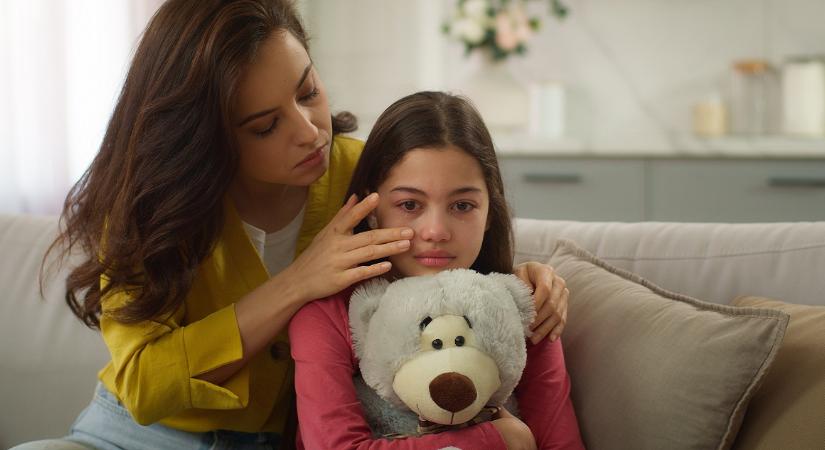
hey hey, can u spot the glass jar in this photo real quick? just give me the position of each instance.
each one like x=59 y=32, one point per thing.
x=754 y=88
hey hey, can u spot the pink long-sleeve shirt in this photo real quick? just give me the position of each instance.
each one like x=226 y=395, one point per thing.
x=330 y=415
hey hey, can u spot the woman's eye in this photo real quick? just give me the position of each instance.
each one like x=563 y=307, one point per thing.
x=464 y=206
x=268 y=131
x=311 y=95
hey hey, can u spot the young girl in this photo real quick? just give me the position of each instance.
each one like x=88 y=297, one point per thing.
x=431 y=160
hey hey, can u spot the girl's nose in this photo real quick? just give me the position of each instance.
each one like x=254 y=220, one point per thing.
x=434 y=228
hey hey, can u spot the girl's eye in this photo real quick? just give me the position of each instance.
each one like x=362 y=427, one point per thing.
x=312 y=94
x=464 y=206
x=409 y=205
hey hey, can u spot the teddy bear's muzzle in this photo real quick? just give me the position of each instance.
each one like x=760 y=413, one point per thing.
x=452 y=391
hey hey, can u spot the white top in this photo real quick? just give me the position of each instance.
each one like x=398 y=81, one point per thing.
x=277 y=250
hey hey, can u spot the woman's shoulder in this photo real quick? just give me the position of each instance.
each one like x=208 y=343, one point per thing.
x=347 y=150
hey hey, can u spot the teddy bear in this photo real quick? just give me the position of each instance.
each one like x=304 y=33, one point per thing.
x=438 y=351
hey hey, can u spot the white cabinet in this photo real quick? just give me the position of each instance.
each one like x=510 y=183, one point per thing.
x=665 y=189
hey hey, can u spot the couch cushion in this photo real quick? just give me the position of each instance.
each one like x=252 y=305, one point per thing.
x=788 y=411
x=652 y=369
x=729 y=259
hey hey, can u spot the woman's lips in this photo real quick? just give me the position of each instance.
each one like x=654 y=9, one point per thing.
x=313 y=159
x=434 y=258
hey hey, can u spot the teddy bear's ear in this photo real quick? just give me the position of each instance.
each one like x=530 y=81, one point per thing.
x=522 y=296
x=362 y=305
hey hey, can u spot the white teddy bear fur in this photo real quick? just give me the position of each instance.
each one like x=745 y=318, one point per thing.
x=395 y=351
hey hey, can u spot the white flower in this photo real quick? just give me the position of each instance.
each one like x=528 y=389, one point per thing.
x=475 y=8
x=469 y=30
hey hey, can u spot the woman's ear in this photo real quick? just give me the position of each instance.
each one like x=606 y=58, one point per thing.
x=372 y=221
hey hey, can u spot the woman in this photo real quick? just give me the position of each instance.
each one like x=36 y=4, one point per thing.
x=221 y=162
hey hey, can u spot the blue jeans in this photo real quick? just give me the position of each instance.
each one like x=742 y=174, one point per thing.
x=106 y=425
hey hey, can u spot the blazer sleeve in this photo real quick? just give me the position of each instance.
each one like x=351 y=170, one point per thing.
x=329 y=413
x=154 y=363
x=543 y=396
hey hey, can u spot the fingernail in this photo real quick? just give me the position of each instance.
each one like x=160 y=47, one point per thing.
x=373 y=196
x=386 y=265
x=403 y=244
x=553 y=337
x=406 y=233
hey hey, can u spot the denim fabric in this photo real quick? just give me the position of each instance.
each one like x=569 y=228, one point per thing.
x=106 y=425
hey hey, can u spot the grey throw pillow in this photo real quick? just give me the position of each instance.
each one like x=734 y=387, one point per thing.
x=652 y=369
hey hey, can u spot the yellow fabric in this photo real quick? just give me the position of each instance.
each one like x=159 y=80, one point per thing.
x=154 y=363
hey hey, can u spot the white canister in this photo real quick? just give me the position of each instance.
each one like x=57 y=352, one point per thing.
x=803 y=97
x=547 y=110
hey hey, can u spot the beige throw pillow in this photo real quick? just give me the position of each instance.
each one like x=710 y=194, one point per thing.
x=652 y=369
x=788 y=411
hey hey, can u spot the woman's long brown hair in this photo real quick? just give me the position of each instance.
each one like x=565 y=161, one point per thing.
x=435 y=120
x=149 y=210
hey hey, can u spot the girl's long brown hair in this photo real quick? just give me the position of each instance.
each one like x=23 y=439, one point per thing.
x=434 y=120
x=148 y=210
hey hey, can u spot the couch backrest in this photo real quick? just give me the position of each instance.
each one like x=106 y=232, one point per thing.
x=48 y=359
x=712 y=262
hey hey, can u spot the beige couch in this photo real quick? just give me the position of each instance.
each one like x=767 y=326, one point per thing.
x=48 y=360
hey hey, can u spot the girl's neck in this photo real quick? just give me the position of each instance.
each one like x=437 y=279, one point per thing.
x=268 y=207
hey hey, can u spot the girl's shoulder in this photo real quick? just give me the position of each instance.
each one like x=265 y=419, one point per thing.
x=333 y=309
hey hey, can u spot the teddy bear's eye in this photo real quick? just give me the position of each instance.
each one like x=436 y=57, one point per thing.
x=425 y=322
x=468 y=321
x=459 y=341
x=437 y=344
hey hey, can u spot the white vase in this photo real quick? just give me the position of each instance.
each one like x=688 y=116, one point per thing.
x=500 y=98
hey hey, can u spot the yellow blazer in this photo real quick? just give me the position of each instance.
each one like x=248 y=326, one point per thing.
x=154 y=363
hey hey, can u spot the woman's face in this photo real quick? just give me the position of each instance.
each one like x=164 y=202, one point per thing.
x=281 y=118
x=442 y=195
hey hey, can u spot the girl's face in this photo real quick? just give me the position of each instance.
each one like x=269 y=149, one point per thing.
x=442 y=195
x=281 y=117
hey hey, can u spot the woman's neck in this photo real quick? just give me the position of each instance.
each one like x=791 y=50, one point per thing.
x=268 y=207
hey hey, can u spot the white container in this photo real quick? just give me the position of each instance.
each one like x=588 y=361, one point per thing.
x=547 y=111
x=803 y=97
x=499 y=97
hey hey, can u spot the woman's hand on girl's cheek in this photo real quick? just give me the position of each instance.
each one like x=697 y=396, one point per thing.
x=550 y=294
x=332 y=262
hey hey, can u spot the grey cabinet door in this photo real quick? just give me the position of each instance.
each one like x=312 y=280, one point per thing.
x=736 y=190
x=575 y=189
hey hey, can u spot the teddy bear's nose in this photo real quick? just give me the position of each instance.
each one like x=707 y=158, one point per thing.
x=452 y=391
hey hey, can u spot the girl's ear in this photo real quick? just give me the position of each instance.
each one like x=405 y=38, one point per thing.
x=372 y=221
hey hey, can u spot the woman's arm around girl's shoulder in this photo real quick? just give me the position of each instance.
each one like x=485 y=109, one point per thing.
x=329 y=412
x=544 y=397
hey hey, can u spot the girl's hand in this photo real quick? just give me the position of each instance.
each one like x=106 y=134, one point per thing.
x=550 y=294
x=331 y=262
x=516 y=434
